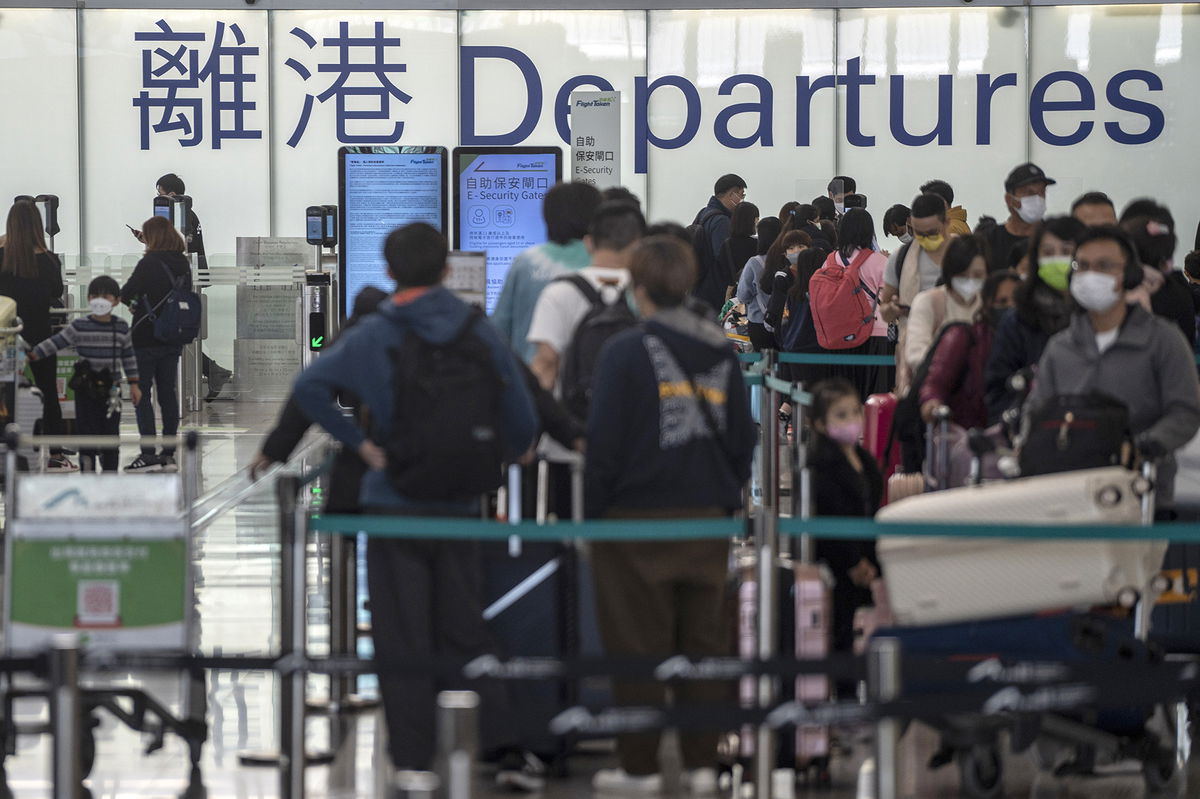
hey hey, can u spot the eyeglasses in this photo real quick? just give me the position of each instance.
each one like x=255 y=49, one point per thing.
x=1108 y=267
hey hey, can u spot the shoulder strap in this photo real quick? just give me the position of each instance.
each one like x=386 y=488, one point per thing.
x=586 y=288
x=710 y=420
x=175 y=281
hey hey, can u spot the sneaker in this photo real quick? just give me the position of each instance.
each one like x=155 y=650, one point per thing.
x=167 y=464
x=217 y=378
x=142 y=464
x=700 y=782
x=521 y=771
x=60 y=463
x=617 y=781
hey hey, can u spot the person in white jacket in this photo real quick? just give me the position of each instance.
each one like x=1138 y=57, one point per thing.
x=954 y=299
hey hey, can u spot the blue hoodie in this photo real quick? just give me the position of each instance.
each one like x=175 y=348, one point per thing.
x=361 y=363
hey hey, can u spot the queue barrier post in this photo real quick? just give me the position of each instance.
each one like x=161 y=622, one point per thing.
x=883 y=686
x=457 y=741
x=293 y=526
x=66 y=717
x=767 y=546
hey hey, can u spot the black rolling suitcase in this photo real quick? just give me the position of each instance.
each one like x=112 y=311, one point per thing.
x=538 y=603
x=1176 y=621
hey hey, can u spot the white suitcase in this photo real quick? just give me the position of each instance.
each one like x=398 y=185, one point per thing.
x=941 y=580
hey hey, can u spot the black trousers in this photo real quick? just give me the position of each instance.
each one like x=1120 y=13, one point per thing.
x=426 y=603
x=92 y=419
x=45 y=377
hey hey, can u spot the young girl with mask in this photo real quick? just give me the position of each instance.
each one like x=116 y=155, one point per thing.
x=846 y=481
x=1042 y=308
x=954 y=299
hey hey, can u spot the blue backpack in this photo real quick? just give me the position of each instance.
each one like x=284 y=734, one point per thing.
x=177 y=316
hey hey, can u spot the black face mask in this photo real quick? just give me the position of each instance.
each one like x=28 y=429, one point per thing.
x=996 y=314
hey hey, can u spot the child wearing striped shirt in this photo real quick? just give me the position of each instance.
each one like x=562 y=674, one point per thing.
x=104 y=342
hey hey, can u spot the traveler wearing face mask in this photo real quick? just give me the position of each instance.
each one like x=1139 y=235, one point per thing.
x=1118 y=348
x=1025 y=196
x=917 y=266
x=1043 y=307
x=956 y=372
x=779 y=269
x=1152 y=228
x=956 y=299
x=895 y=223
x=846 y=481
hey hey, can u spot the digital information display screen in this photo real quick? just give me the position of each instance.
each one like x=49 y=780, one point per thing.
x=379 y=190
x=498 y=194
x=315 y=229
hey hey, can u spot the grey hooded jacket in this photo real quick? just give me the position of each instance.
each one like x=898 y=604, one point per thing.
x=1149 y=367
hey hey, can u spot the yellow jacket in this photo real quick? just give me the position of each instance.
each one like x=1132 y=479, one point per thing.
x=958 y=221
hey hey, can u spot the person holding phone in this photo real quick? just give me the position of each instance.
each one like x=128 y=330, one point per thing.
x=171 y=185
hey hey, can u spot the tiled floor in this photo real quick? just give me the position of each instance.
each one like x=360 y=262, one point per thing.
x=237 y=582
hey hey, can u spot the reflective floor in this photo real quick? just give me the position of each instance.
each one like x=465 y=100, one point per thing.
x=237 y=584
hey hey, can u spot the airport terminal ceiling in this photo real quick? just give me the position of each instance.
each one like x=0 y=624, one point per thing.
x=249 y=102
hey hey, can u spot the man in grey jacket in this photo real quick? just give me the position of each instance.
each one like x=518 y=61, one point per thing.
x=1124 y=351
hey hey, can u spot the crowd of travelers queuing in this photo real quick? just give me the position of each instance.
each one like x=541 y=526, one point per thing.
x=609 y=337
x=615 y=339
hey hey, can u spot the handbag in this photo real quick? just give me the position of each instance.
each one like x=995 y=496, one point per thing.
x=1076 y=431
x=95 y=384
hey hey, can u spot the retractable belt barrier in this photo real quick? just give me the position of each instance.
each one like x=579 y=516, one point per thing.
x=684 y=529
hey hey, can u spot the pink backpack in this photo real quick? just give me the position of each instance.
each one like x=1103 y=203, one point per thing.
x=842 y=307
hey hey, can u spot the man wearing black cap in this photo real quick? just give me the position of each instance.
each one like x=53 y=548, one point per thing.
x=1025 y=196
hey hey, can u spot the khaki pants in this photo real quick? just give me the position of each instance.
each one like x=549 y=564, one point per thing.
x=663 y=598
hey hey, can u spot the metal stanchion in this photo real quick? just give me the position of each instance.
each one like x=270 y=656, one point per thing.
x=767 y=546
x=457 y=741
x=291 y=757
x=293 y=541
x=883 y=684
x=66 y=712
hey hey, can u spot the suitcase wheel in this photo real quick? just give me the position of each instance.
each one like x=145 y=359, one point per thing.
x=1158 y=771
x=981 y=772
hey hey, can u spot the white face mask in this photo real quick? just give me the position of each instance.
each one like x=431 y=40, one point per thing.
x=966 y=287
x=1032 y=209
x=905 y=238
x=1095 y=291
x=100 y=306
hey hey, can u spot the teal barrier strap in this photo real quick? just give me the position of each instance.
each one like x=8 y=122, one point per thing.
x=830 y=359
x=603 y=530
x=844 y=527
x=752 y=379
x=682 y=529
x=749 y=357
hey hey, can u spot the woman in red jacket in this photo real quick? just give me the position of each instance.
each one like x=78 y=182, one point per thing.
x=956 y=372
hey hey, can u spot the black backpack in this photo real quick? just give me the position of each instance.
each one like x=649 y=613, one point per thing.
x=445 y=442
x=908 y=428
x=601 y=323
x=710 y=284
x=176 y=319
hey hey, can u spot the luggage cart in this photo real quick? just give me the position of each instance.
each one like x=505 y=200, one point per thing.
x=20 y=403
x=940 y=620
x=106 y=557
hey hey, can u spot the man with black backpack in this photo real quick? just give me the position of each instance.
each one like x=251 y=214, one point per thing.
x=708 y=232
x=575 y=315
x=447 y=407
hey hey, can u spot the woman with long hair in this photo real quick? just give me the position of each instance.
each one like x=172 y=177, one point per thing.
x=32 y=276
x=163 y=265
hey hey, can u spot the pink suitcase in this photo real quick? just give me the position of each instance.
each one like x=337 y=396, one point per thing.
x=813 y=620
